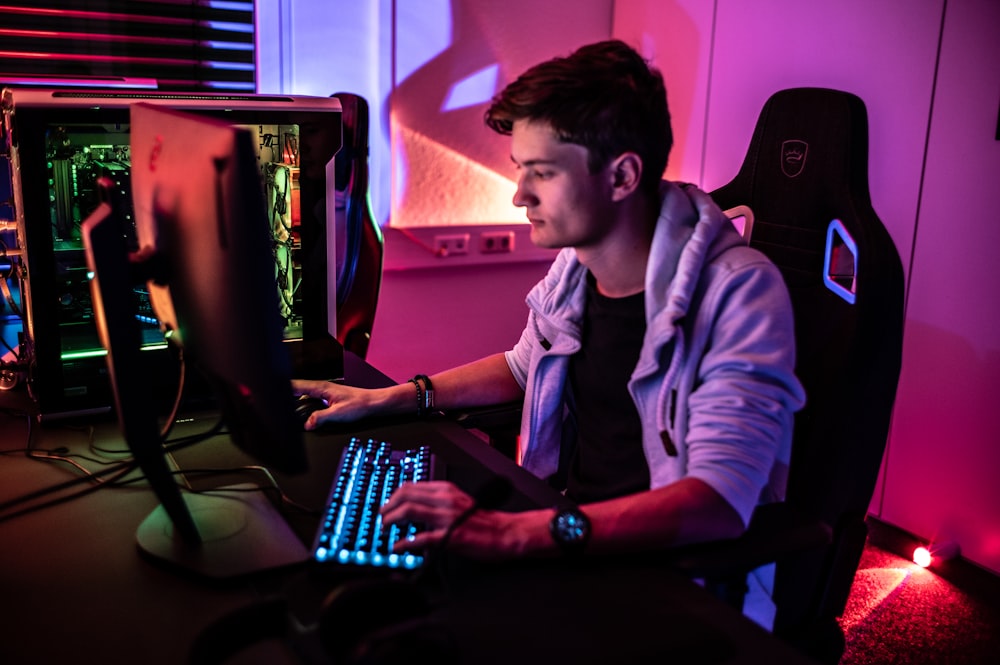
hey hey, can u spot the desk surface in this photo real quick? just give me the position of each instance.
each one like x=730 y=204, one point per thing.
x=73 y=587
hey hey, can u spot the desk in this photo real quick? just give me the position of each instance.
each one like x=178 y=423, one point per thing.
x=73 y=588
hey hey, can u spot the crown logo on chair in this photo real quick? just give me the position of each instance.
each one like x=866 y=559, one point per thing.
x=793 y=157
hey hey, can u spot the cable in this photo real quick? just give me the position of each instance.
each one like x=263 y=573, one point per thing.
x=52 y=456
x=125 y=466
x=488 y=497
x=5 y=288
x=121 y=470
x=117 y=469
x=271 y=486
x=168 y=425
x=409 y=235
x=63 y=451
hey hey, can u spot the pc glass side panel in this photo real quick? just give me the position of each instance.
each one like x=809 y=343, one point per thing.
x=61 y=146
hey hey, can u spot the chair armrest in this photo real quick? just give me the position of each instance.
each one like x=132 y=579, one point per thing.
x=501 y=423
x=776 y=530
x=486 y=417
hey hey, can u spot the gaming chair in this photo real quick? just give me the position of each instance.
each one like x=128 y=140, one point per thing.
x=359 y=270
x=805 y=183
x=803 y=193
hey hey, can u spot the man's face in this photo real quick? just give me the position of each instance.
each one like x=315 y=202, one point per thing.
x=566 y=204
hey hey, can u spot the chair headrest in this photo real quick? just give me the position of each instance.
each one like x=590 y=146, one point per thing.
x=809 y=151
x=353 y=155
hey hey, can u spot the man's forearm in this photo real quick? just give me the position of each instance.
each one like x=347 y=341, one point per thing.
x=689 y=511
x=479 y=383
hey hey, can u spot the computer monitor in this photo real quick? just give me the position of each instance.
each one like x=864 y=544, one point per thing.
x=204 y=248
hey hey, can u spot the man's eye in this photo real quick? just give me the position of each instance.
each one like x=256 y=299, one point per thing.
x=542 y=175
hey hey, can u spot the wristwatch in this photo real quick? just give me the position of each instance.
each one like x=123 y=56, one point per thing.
x=570 y=528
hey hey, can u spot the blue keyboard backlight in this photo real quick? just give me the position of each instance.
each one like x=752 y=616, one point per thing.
x=351 y=530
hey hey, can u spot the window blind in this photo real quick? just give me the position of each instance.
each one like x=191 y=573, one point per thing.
x=182 y=45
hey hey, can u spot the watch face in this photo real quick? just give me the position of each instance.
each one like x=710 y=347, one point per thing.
x=571 y=529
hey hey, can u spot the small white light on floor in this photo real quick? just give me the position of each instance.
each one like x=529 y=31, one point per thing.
x=922 y=557
x=925 y=556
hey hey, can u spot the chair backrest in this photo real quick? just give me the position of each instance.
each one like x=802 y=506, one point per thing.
x=805 y=178
x=359 y=237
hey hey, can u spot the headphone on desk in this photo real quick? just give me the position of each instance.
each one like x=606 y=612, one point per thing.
x=383 y=622
x=362 y=622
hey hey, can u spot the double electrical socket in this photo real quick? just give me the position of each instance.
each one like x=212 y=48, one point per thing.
x=451 y=244
x=496 y=242
x=490 y=242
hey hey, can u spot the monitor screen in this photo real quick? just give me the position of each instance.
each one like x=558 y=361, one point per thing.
x=200 y=240
x=63 y=141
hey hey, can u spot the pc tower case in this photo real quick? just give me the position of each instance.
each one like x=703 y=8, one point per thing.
x=59 y=142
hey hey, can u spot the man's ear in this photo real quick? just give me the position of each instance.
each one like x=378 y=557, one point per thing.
x=626 y=172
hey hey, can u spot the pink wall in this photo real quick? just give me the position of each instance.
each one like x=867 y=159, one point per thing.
x=447 y=168
x=677 y=38
x=941 y=469
x=431 y=319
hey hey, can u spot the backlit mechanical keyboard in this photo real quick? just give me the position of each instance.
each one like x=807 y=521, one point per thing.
x=351 y=530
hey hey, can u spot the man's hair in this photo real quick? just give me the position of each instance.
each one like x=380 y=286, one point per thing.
x=604 y=97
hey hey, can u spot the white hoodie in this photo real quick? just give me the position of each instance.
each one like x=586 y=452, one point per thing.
x=716 y=369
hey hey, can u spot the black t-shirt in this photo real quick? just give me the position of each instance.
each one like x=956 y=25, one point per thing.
x=608 y=460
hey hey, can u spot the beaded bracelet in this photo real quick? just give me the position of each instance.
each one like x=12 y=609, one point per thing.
x=420 y=397
x=425 y=394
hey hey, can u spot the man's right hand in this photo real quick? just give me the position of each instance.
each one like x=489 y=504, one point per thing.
x=344 y=403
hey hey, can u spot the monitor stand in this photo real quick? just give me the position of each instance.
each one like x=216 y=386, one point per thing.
x=241 y=533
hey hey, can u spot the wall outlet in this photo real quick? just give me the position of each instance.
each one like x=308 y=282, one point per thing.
x=451 y=244
x=496 y=242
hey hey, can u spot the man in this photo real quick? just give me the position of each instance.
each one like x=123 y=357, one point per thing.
x=656 y=366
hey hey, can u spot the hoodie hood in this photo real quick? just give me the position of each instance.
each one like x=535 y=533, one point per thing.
x=691 y=230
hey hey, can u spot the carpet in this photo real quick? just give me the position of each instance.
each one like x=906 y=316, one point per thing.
x=901 y=614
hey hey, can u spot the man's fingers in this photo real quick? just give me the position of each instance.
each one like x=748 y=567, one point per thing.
x=421 y=541
x=431 y=515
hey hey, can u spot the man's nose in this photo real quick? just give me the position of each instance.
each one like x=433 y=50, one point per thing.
x=523 y=196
